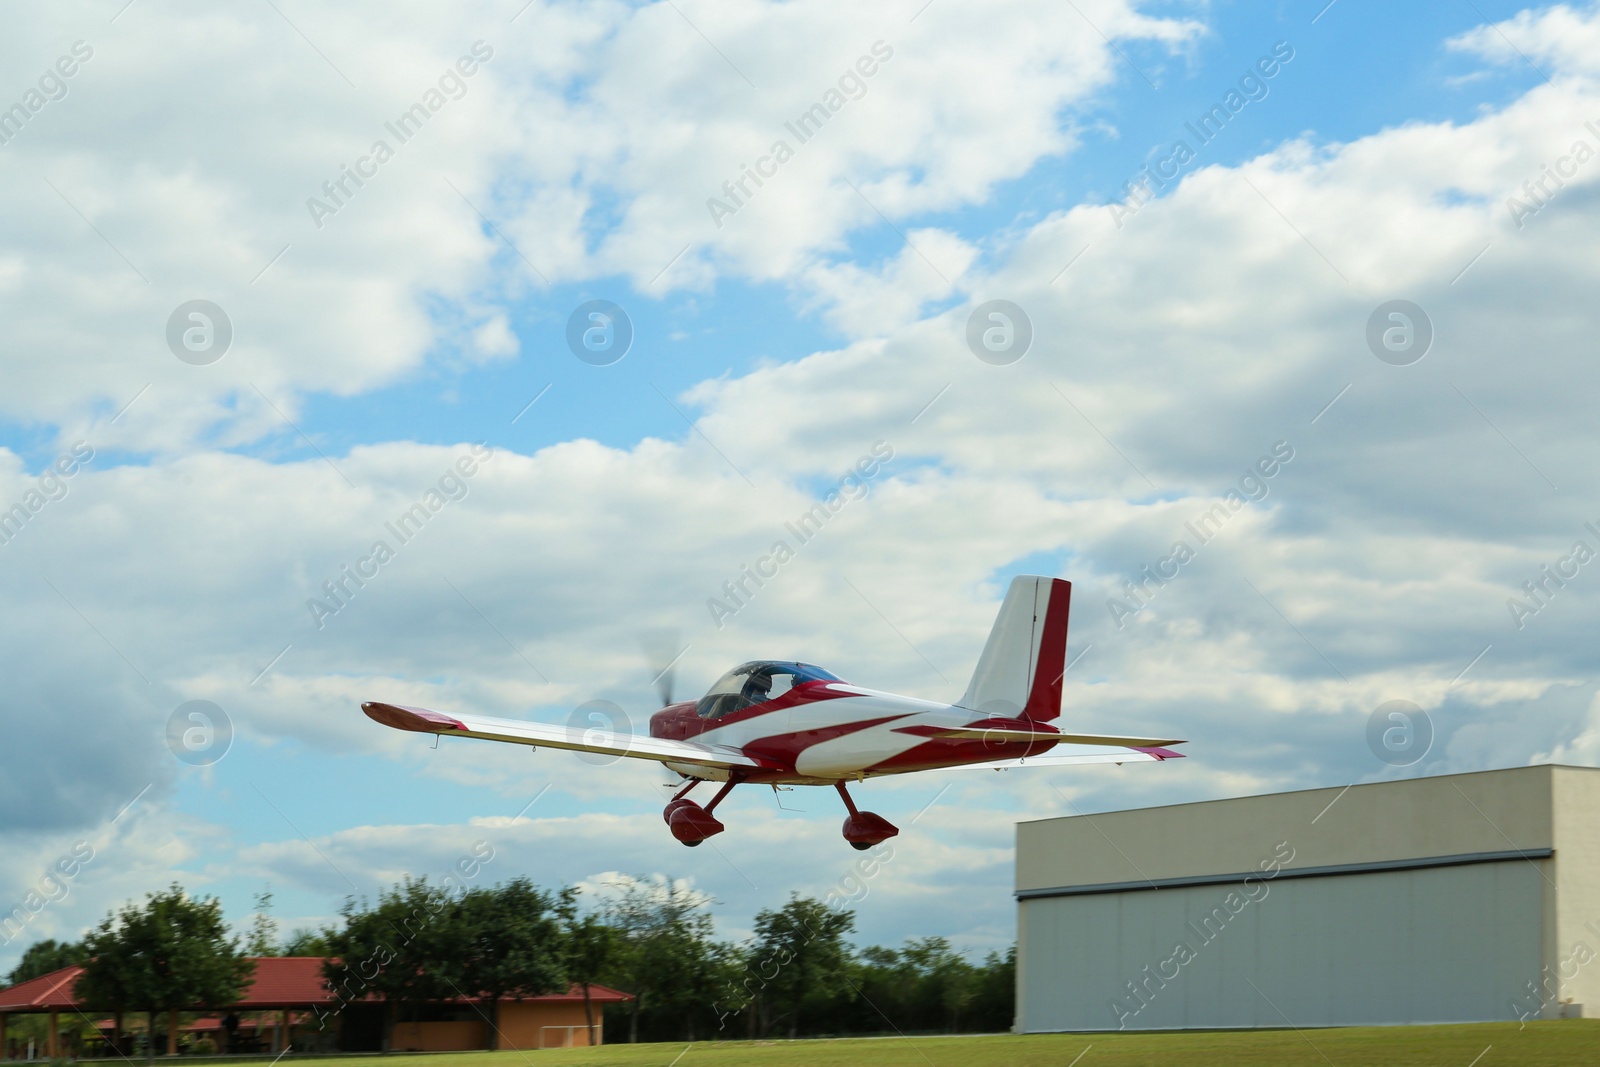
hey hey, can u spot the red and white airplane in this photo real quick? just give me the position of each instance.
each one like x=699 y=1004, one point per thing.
x=778 y=722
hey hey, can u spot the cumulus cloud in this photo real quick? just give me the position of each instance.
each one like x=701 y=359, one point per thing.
x=366 y=190
x=1562 y=36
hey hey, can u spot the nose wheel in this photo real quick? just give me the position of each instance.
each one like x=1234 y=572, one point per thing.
x=863 y=829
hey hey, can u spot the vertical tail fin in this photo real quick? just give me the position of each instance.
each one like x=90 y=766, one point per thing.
x=1020 y=670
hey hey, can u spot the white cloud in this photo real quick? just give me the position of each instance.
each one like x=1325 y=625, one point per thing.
x=1563 y=36
x=186 y=156
x=862 y=302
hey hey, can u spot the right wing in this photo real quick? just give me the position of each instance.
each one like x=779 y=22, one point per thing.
x=538 y=734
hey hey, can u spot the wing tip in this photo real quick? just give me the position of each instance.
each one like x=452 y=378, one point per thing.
x=417 y=720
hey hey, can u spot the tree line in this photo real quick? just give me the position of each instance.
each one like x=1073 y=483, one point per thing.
x=168 y=955
x=421 y=943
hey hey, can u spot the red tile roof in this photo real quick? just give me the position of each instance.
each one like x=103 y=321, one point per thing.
x=286 y=982
x=598 y=993
x=278 y=982
x=53 y=990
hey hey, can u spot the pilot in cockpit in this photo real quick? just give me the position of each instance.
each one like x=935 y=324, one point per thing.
x=756 y=689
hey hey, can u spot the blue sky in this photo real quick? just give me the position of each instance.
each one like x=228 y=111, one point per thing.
x=981 y=159
x=1358 y=69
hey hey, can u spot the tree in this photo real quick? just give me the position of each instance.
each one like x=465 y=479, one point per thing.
x=590 y=943
x=508 y=942
x=927 y=985
x=263 y=936
x=172 y=954
x=994 y=1007
x=939 y=981
x=800 y=952
x=395 y=949
x=421 y=944
x=665 y=955
x=882 y=993
x=305 y=942
x=43 y=957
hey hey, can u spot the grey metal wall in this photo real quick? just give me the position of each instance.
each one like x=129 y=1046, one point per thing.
x=1430 y=945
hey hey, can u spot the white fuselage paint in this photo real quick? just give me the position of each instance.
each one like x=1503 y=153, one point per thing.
x=850 y=755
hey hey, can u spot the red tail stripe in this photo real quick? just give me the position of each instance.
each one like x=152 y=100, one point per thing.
x=1044 y=700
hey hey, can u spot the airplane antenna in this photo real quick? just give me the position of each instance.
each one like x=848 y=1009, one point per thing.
x=777 y=794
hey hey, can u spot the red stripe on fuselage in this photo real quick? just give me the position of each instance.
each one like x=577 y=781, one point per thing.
x=952 y=753
x=787 y=747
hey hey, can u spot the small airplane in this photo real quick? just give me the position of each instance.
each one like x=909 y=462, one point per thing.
x=779 y=722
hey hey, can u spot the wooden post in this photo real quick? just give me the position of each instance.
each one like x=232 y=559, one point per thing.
x=172 y=1032
x=116 y=1031
x=288 y=1039
x=2 y=1035
x=53 y=1048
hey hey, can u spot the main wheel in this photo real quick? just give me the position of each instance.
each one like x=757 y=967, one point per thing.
x=863 y=829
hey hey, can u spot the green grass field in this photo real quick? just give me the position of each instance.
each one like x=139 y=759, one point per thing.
x=1539 y=1044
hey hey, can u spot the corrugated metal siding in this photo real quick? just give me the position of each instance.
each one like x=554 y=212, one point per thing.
x=1433 y=945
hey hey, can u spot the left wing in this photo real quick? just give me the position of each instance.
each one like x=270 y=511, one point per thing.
x=538 y=734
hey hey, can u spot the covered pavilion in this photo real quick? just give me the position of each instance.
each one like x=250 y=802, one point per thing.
x=293 y=990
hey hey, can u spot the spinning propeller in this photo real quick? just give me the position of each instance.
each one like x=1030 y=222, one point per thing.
x=662 y=652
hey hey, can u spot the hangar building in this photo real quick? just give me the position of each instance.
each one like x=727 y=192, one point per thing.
x=1465 y=897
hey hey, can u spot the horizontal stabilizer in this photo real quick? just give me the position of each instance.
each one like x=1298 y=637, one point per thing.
x=1000 y=734
x=1076 y=759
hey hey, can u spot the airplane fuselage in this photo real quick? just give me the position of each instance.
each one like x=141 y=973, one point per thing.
x=822 y=732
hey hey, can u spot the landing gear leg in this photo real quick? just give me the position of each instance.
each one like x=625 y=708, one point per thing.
x=863 y=829
x=727 y=787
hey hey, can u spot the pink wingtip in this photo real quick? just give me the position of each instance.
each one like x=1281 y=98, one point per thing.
x=418 y=720
x=1163 y=753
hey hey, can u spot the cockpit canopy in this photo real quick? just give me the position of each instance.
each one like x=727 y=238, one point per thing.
x=756 y=682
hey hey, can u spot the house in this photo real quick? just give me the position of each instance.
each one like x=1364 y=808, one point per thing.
x=293 y=1008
